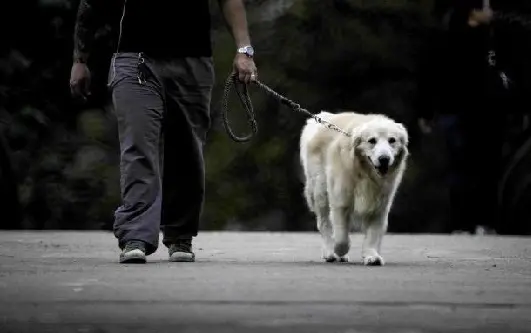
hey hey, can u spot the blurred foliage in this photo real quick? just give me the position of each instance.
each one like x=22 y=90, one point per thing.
x=334 y=54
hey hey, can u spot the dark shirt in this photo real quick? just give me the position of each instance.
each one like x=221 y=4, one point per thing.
x=165 y=29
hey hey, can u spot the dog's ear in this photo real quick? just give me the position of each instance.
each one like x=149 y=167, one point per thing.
x=404 y=152
x=354 y=144
x=356 y=137
x=401 y=157
x=404 y=136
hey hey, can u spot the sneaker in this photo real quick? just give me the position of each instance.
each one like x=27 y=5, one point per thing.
x=134 y=252
x=181 y=251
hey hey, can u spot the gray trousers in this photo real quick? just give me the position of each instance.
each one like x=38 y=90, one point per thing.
x=163 y=119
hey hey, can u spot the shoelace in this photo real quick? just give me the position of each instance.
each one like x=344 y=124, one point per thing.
x=135 y=245
x=182 y=246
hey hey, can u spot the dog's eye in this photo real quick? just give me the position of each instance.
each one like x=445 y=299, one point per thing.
x=372 y=141
x=392 y=140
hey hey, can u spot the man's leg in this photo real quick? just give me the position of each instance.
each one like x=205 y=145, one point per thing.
x=188 y=83
x=139 y=109
x=458 y=180
x=484 y=169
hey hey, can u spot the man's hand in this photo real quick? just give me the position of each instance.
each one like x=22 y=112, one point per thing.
x=245 y=68
x=80 y=80
x=477 y=17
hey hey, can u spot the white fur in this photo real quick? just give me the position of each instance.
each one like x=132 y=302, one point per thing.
x=343 y=185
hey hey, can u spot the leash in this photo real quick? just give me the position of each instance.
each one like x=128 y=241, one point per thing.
x=245 y=100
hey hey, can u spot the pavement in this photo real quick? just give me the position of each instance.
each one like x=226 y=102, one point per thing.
x=264 y=282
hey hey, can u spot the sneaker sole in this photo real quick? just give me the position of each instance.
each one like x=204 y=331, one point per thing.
x=133 y=257
x=182 y=257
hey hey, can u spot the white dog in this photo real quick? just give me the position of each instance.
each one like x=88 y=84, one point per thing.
x=351 y=181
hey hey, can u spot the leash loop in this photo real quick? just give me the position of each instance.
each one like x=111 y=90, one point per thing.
x=245 y=101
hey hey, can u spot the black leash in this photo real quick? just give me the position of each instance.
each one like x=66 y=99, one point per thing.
x=245 y=100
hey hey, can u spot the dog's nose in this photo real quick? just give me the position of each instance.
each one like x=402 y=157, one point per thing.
x=384 y=161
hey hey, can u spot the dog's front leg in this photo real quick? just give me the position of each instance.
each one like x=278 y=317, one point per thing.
x=325 y=228
x=374 y=229
x=339 y=196
x=339 y=217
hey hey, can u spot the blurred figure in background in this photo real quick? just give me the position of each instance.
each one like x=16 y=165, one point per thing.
x=9 y=199
x=461 y=83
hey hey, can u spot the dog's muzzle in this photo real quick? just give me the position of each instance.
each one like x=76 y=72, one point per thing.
x=383 y=164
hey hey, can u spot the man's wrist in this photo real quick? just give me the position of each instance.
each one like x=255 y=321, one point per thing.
x=80 y=58
x=247 y=50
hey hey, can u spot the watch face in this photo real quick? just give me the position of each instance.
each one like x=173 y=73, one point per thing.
x=248 y=50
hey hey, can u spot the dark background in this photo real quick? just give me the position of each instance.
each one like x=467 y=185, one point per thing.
x=59 y=158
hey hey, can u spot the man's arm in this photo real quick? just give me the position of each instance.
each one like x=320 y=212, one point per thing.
x=88 y=16
x=236 y=19
x=84 y=30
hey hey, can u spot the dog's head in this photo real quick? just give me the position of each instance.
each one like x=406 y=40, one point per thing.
x=381 y=143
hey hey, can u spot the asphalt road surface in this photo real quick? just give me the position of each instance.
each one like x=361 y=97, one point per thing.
x=265 y=282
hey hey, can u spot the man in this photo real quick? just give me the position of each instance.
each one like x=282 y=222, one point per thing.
x=161 y=80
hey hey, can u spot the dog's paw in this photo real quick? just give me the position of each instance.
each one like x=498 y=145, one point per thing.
x=332 y=257
x=342 y=259
x=328 y=256
x=374 y=260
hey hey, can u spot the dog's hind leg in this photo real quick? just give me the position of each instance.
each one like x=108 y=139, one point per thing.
x=374 y=230
x=311 y=181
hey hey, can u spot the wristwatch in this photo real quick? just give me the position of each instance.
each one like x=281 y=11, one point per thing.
x=247 y=50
